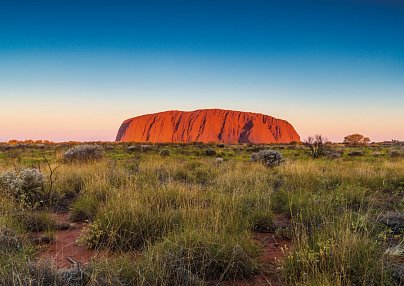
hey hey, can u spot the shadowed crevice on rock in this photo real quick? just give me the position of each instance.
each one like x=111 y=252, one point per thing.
x=245 y=132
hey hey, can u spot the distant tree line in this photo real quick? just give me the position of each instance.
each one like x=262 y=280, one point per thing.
x=29 y=141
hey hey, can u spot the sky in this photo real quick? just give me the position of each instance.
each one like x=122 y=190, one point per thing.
x=74 y=70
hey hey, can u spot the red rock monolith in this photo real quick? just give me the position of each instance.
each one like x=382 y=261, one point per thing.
x=207 y=125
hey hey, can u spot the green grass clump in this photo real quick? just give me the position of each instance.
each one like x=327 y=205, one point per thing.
x=195 y=173
x=84 y=209
x=341 y=253
x=17 y=270
x=195 y=256
x=255 y=210
x=35 y=221
x=124 y=224
x=70 y=182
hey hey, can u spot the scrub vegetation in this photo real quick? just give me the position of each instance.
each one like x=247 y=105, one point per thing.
x=204 y=214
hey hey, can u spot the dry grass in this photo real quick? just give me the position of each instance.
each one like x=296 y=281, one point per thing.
x=189 y=220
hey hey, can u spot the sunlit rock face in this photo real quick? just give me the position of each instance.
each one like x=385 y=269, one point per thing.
x=207 y=125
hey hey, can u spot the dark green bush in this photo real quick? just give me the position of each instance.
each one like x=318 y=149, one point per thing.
x=355 y=153
x=164 y=152
x=210 y=152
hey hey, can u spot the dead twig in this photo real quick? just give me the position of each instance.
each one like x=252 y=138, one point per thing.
x=52 y=179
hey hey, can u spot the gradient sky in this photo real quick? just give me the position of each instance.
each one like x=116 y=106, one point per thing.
x=74 y=70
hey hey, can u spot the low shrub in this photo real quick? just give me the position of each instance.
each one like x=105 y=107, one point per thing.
x=25 y=187
x=75 y=276
x=145 y=148
x=83 y=153
x=355 y=153
x=377 y=154
x=394 y=220
x=269 y=158
x=333 y=154
x=9 y=241
x=396 y=153
x=44 y=273
x=133 y=148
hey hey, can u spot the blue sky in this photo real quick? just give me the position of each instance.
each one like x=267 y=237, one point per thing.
x=73 y=70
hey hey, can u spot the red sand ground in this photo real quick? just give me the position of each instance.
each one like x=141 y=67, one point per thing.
x=65 y=248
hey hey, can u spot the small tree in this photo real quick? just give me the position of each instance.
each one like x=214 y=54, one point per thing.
x=316 y=145
x=356 y=140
